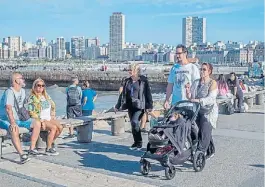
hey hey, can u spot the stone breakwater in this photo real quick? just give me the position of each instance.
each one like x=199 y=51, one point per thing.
x=99 y=80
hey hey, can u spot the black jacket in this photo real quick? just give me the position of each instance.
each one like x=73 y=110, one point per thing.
x=145 y=95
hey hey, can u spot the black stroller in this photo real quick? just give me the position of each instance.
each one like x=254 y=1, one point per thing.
x=173 y=143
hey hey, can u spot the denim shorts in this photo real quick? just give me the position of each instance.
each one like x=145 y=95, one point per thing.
x=4 y=124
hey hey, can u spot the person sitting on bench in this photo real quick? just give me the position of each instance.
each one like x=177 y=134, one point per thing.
x=12 y=103
x=42 y=108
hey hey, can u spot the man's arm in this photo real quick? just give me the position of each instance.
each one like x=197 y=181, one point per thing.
x=10 y=115
x=169 y=91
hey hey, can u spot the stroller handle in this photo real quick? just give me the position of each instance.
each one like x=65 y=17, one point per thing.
x=197 y=105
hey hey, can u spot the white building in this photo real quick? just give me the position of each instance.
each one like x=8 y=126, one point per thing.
x=78 y=46
x=15 y=44
x=214 y=57
x=42 y=52
x=49 y=52
x=117 y=36
x=193 y=30
x=60 y=48
x=130 y=54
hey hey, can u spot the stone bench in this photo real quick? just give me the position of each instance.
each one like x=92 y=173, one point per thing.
x=4 y=133
x=117 y=121
x=84 y=126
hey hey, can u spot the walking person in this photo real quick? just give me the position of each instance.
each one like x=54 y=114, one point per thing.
x=89 y=97
x=12 y=100
x=74 y=107
x=136 y=97
x=234 y=86
x=183 y=73
x=204 y=91
x=41 y=107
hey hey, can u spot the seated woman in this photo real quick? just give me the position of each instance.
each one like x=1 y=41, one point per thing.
x=42 y=107
x=233 y=84
x=223 y=90
x=204 y=91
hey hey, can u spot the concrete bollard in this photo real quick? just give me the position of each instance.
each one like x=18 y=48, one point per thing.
x=117 y=127
x=250 y=102
x=42 y=140
x=260 y=99
x=84 y=132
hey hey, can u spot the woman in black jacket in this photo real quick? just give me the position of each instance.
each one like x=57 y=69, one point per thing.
x=136 y=97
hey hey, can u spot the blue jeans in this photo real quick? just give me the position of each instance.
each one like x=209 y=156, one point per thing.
x=4 y=124
x=87 y=112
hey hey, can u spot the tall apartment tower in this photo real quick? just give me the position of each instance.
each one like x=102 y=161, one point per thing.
x=15 y=44
x=193 y=30
x=60 y=48
x=117 y=36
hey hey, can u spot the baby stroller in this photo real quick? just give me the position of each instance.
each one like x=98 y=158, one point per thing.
x=173 y=143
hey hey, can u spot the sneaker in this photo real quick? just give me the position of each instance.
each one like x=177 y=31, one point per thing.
x=51 y=152
x=34 y=152
x=139 y=146
x=134 y=146
x=24 y=158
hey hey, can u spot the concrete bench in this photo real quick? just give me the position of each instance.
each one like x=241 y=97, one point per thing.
x=84 y=126
x=4 y=133
x=250 y=98
x=117 y=121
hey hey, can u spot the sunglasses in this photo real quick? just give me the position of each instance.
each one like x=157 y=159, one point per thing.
x=203 y=69
x=40 y=85
x=179 y=53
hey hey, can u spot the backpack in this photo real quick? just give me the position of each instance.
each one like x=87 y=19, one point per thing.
x=73 y=96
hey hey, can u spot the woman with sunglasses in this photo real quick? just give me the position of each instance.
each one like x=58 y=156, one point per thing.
x=41 y=107
x=204 y=91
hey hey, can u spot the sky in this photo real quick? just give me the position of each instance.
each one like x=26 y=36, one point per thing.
x=155 y=21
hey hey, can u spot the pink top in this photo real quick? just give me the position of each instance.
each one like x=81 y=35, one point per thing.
x=222 y=90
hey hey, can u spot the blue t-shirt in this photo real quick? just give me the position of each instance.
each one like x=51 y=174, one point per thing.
x=89 y=94
x=179 y=76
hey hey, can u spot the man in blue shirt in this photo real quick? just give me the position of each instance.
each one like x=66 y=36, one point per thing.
x=181 y=74
x=88 y=98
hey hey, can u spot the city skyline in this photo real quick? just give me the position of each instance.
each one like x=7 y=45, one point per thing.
x=146 y=21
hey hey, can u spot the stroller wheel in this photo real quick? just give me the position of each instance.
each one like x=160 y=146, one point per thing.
x=198 y=161
x=170 y=172
x=145 y=167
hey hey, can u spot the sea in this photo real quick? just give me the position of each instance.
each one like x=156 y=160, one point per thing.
x=105 y=99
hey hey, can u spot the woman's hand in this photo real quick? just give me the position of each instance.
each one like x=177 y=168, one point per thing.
x=43 y=125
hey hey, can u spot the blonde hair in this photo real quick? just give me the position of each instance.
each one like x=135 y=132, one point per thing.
x=135 y=68
x=44 y=93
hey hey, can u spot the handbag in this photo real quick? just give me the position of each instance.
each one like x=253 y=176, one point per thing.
x=22 y=112
x=205 y=110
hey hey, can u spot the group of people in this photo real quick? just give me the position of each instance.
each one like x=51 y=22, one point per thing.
x=38 y=113
x=232 y=87
x=186 y=81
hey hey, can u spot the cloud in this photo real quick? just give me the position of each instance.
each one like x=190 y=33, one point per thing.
x=222 y=10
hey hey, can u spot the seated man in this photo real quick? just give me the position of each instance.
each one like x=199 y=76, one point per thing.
x=14 y=98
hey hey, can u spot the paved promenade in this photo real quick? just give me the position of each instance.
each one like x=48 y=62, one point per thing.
x=107 y=161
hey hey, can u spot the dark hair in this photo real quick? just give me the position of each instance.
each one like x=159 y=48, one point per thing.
x=86 y=83
x=222 y=81
x=210 y=67
x=183 y=47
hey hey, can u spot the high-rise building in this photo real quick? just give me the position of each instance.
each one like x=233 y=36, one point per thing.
x=60 y=48
x=68 y=47
x=193 y=30
x=15 y=44
x=77 y=46
x=117 y=36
